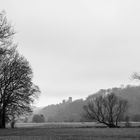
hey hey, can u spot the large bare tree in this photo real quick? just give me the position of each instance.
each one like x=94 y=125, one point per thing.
x=107 y=109
x=17 y=91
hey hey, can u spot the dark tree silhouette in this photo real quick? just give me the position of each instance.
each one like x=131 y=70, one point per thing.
x=16 y=88
x=107 y=109
x=17 y=91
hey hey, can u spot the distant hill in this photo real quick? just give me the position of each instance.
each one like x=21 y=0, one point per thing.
x=66 y=111
x=72 y=111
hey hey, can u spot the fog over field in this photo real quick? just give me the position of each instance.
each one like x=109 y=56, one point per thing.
x=77 y=47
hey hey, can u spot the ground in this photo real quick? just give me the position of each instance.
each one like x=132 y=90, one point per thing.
x=70 y=133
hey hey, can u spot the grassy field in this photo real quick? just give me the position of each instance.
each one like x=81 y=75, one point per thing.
x=69 y=133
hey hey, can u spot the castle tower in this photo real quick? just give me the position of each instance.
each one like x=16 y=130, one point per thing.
x=70 y=99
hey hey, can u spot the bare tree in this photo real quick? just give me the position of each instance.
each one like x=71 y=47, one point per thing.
x=17 y=91
x=16 y=88
x=107 y=109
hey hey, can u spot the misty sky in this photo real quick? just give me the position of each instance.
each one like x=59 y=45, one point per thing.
x=77 y=47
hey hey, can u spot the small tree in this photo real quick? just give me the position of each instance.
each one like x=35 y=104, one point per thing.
x=107 y=109
x=127 y=121
x=38 y=118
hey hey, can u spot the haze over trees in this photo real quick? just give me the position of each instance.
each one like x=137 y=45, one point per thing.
x=68 y=112
x=17 y=91
x=63 y=112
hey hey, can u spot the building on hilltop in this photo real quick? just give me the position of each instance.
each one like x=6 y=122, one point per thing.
x=70 y=100
x=67 y=101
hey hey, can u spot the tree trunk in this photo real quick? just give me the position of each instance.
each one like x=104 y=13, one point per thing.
x=0 y=120
x=13 y=121
x=3 y=119
x=13 y=124
x=111 y=125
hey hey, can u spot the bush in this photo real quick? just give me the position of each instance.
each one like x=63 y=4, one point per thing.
x=127 y=121
x=38 y=118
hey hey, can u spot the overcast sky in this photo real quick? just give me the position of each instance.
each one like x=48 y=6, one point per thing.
x=77 y=47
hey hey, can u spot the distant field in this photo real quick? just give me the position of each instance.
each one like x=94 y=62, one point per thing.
x=63 y=131
x=59 y=124
x=67 y=124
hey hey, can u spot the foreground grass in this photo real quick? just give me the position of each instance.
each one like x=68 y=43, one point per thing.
x=70 y=134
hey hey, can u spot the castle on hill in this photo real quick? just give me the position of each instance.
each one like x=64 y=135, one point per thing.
x=67 y=101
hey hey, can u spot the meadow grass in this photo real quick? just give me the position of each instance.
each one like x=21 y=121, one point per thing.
x=69 y=133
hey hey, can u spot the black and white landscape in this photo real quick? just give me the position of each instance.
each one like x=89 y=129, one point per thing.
x=69 y=70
